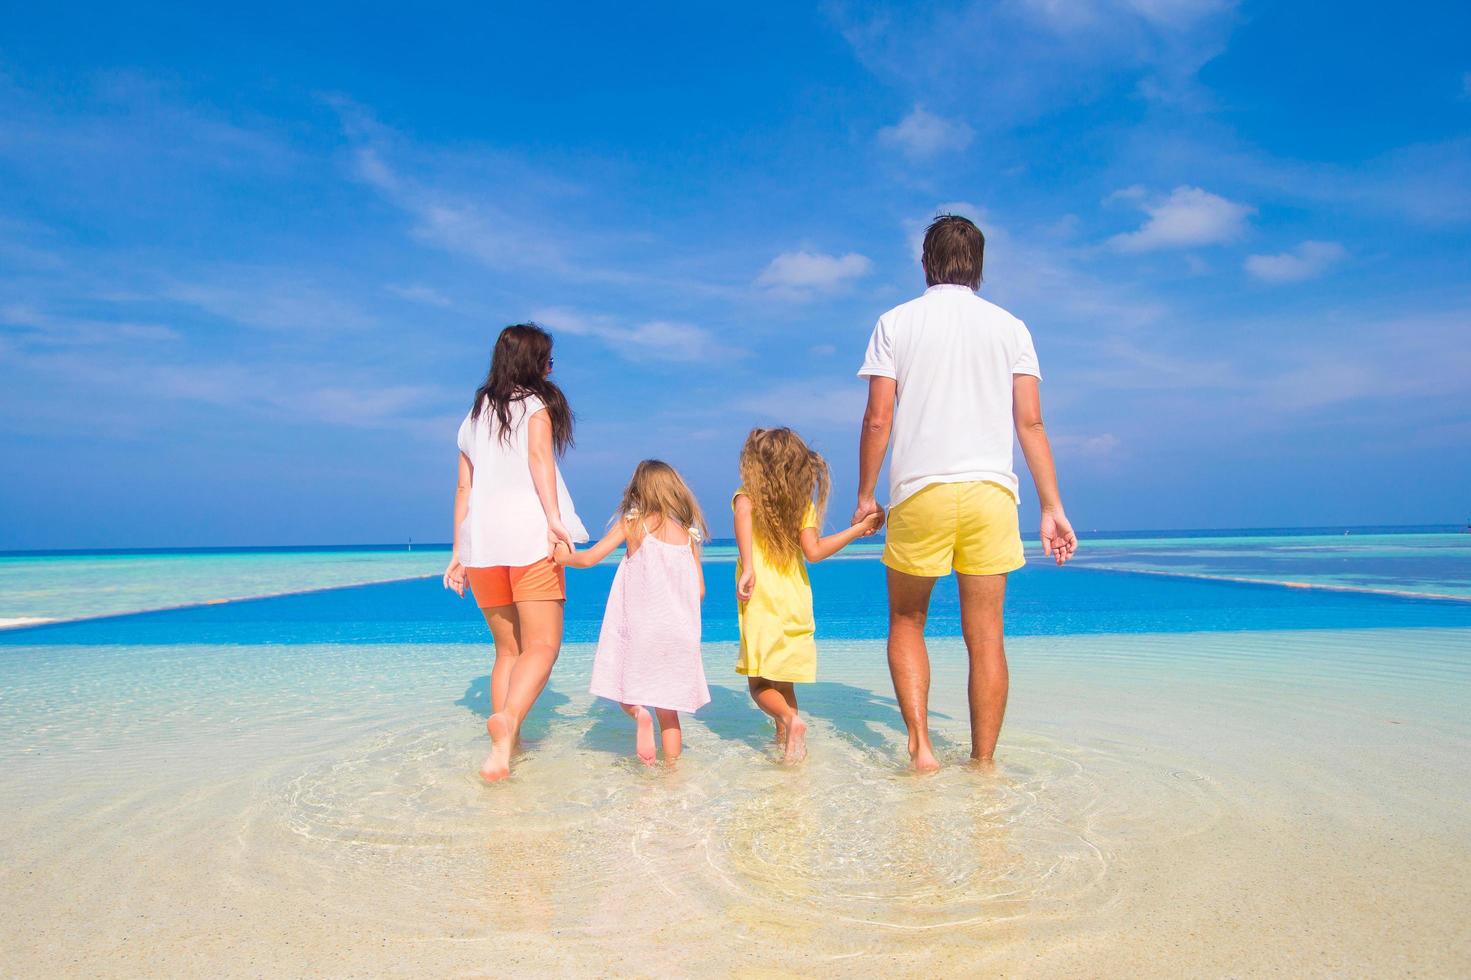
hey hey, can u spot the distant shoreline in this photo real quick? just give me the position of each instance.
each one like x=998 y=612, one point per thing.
x=1093 y=534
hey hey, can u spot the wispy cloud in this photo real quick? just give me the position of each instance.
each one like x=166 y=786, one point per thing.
x=418 y=293
x=1025 y=57
x=34 y=327
x=652 y=340
x=1188 y=216
x=799 y=274
x=1306 y=261
x=271 y=300
x=921 y=134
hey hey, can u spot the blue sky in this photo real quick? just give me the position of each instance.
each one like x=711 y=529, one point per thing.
x=252 y=261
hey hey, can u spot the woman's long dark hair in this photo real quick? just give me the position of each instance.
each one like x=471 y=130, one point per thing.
x=518 y=367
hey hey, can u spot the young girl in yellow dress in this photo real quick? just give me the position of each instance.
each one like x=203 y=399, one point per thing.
x=778 y=511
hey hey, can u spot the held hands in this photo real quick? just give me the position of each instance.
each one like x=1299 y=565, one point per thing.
x=557 y=533
x=1058 y=539
x=561 y=552
x=454 y=576
x=868 y=514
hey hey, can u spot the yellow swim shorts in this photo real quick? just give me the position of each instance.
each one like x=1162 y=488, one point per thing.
x=970 y=527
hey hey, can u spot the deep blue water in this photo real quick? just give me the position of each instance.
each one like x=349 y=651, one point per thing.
x=850 y=604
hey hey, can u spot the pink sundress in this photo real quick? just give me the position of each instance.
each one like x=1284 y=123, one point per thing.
x=649 y=647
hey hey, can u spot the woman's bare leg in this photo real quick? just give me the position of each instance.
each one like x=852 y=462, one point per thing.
x=503 y=630
x=541 y=641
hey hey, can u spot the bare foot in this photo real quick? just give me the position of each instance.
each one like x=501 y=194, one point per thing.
x=497 y=765
x=923 y=760
x=796 y=739
x=982 y=765
x=644 y=741
x=781 y=734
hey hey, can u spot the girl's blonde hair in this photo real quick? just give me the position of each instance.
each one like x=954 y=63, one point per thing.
x=782 y=476
x=658 y=491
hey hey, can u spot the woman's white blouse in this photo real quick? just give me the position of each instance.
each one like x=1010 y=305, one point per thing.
x=505 y=524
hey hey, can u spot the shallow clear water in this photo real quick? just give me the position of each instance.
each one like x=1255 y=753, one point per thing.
x=1191 y=781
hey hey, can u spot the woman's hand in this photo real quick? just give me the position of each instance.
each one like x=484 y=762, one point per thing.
x=454 y=576
x=746 y=585
x=557 y=533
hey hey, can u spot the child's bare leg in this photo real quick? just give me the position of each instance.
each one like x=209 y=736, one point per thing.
x=644 y=739
x=669 y=733
x=779 y=700
x=796 y=741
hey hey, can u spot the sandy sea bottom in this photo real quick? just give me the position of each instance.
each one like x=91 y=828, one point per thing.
x=1165 y=804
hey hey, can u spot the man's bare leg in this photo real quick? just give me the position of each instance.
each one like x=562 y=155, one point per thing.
x=909 y=662
x=981 y=600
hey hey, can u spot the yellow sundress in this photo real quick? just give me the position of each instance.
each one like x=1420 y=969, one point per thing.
x=777 y=629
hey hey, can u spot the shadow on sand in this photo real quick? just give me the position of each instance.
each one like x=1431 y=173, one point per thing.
x=476 y=699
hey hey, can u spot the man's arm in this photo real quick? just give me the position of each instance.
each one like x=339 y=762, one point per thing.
x=1058 y=539
x=873 y=444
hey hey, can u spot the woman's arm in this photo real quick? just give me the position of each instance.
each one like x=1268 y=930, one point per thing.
x=543 y=462
x=563 y=554
x=815 y=549
x=745 y=545
x=1058 y=539
x=454 y=573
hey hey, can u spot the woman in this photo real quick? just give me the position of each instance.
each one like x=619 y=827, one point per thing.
x=511 y=508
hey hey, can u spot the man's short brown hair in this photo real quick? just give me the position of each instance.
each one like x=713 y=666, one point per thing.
x=954 y=250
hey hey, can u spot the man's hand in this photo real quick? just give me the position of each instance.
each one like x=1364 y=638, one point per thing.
x=1058 y=539
x=561 y=552
x=454 y=576
x=868 y=508
x=746 y=585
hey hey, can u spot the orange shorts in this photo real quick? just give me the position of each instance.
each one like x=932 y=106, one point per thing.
x=501 y=585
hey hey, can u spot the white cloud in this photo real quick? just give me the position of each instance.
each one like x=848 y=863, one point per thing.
x=1103 y=445
x=922 y=134
x=1188 y=216
x=1024 y=57
x=37 y=328
x=1306 y=261
x=809 y=403
x=796 y=273
x=653 y=340
x=416 y=293
x=271 y=301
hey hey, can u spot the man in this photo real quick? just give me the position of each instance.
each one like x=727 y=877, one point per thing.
x=950 y=374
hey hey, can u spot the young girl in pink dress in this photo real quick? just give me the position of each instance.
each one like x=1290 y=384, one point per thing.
x=649 y=649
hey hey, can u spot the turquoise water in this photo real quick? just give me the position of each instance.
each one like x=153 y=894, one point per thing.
x=286 y=785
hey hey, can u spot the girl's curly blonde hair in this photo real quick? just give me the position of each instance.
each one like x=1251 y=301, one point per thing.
x=782 y=476
x=658 y=491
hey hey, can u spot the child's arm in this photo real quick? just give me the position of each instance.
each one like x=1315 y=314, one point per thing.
x=1058 y=539
x=815 y=549
x=573 y=558
x=746 y=587
x=699 y=566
